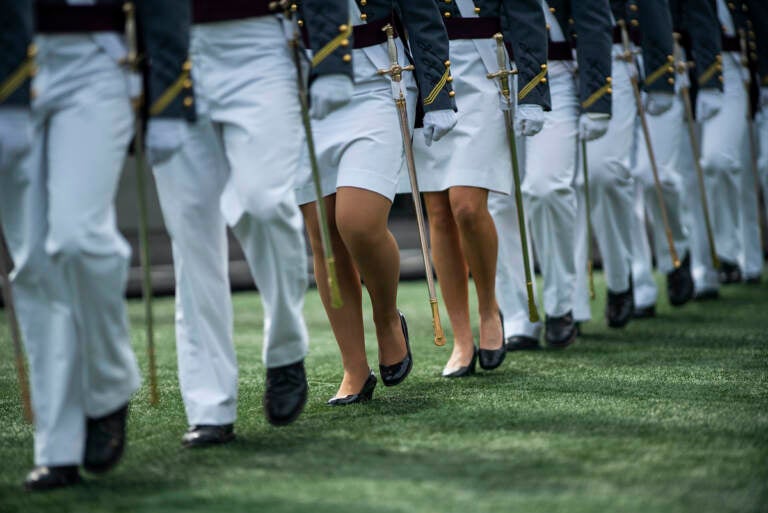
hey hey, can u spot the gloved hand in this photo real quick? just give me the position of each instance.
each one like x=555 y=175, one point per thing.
x=328 y=93
x=657 y=103
x=708 y=103
x=593 y=125
x=437 y=123
x=164 y=138
x=529 y=119
x=15 y=135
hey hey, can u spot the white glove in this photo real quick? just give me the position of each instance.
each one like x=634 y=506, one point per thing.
x=328 y=93
x=437 y=123
x=593 y=125
x=708 y=103
x=529 y=119
x=657 y=103
x=15 y=135
x=164 y=138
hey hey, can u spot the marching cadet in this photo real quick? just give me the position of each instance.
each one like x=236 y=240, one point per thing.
x=759 y=23
x=696 y=19
x=236 y=166
x=58 y=213
x=457 y=173
x=578 y=110
x=726 y=160
x=610 y=176
x=360 y=153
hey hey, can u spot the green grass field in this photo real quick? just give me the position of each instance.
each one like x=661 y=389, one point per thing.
x=669 y=415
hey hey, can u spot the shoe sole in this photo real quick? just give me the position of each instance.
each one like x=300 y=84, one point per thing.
x=209 y=443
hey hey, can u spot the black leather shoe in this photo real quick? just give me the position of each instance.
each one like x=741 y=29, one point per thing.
x=522 y=343
x=680 y=283
x=619 y=307
x=707 y=295
x=491 y=358
x=644 y=312
x=206 y=434
x=366 y=394
x=105 y=441
x=561 y=331
x=286 y=393
x=47 y=478
x=392 y=375
x=729 y=272
x=462 y=372
x=753 y=280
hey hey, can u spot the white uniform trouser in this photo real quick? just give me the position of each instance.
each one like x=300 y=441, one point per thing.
x=71 y=263
x=611 y=194
x=725 y=160
x=761 y=128
x=510 y=274
x=237 y=167
x=667 y=133
x=549 y=194
x=705 y=276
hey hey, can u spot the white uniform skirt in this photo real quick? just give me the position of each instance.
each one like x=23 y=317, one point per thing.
x=360 y=145
x=475 y=153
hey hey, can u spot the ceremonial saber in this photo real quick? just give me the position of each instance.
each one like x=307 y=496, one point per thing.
x=751 y=129
x=395 y=72
x=13 y=325
x=590 y=258
x=325 y=233
x=146 y=285
x=629 y=57
x=502 y=75
x=682 y=67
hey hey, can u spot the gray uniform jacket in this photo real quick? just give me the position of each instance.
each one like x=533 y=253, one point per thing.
x=653 y=19
x=16 y=52
x=330 y=36
x=428 y=44
x=587 y=25
x=163 y=36
x=524 y=28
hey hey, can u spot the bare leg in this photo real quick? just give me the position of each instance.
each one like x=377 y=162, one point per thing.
x=480 y=244
x=347 y=321
x=452 y=273
x=361 y=216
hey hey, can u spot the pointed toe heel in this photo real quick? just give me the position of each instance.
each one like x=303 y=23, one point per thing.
x=392 y=375
x=462 y=372
x=365 y=395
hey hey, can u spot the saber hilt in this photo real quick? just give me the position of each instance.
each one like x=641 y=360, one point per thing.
x=395 y=70
x=503 y=73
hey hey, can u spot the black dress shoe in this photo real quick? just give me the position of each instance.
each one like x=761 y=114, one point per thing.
x=522 y=343
x=47 y=478
x=561 y=331
x=753 y=280
x=204 y=435
x=680 y=283
x=286 y=393
x=644 y=312
x=392 y=375
x=619 y=307
x=105 y=441
x=463 y=372
x=491 y=358
x=366 y=394
x=729 y=272
x=707 y=295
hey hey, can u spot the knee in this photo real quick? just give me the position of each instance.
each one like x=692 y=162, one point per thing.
x=545 y=191
x=468 y=214
x=73 y=241
x=719 y=164
x=440 y=217
x=608 y=176
x=265 y=205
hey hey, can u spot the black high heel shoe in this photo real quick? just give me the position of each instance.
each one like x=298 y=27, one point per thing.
x=492 y=358
x=366 y=394
x=392 y=375
x=463 y=372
